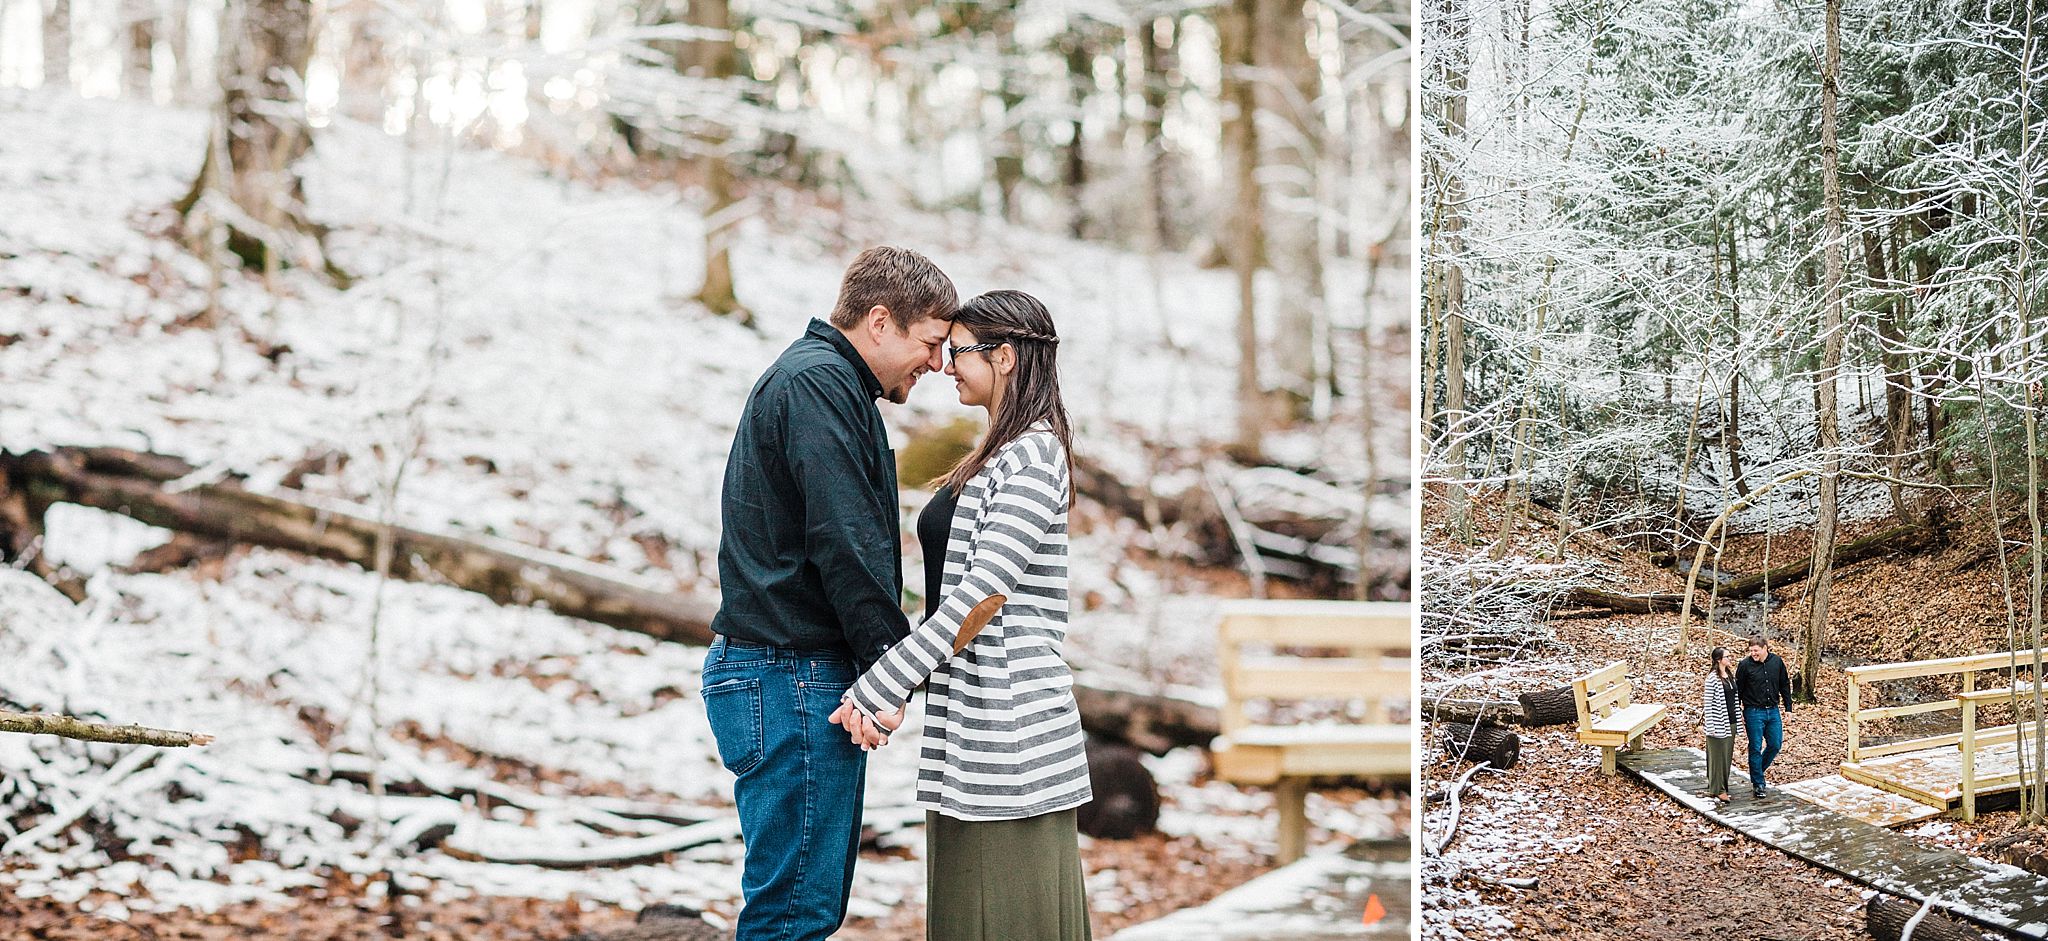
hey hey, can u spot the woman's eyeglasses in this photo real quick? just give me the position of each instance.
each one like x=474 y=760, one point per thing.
x=952 y=351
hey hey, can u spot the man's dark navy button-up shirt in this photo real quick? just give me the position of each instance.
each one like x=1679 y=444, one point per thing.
x=810 y=557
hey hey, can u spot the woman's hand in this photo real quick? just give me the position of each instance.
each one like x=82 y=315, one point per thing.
x=869 y=734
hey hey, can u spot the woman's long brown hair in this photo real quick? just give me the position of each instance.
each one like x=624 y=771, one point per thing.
x=1031 y=393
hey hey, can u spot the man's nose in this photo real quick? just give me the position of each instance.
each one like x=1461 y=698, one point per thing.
x=933 y=360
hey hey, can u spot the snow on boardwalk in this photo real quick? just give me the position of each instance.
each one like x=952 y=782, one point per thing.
x=1993 y=894
x=1317 y=898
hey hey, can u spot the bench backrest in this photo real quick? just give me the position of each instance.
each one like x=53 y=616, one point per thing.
x=1292 y=651
x=1599 y=693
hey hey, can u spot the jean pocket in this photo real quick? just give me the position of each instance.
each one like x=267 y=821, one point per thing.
x=734 y=710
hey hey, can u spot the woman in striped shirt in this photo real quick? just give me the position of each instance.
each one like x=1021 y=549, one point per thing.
x=1003 y=763
x=1722 y=717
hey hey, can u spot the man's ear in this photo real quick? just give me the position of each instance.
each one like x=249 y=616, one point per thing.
x=878 y=321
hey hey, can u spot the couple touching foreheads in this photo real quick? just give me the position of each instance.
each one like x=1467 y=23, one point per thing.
x=815 y=660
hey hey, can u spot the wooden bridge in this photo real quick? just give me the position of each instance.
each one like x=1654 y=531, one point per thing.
x=1992 y=894
x=1903 y=780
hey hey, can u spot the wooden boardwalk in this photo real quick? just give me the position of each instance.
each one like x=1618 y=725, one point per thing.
x=1992 y=894
x=1319 y=898
x=1858 y=800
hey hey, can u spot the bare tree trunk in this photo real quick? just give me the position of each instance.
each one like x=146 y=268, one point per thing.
x=1733 y=437
x=1285 y=93
x=139 y=25
x=2034 y=799
x=249 y=182
x=1156 y=42
x=1009 y=155
x=1080 y=77
x=1241 y=143
x=1453 y=275
x=716 y=60
x=57 y=43
x=1898 y=408
x=1831 y=357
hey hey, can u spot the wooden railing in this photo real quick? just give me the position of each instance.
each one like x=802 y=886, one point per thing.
x=2012 y=670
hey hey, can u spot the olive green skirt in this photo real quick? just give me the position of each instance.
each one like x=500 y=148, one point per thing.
x=1004 y=880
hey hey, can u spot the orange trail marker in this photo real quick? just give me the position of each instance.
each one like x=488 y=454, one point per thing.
x=1374 y=911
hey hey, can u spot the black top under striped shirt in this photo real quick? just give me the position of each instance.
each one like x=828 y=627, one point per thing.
x=934 y=527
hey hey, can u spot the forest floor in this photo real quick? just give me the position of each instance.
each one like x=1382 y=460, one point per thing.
x=1130 y=882
x=1615 y=858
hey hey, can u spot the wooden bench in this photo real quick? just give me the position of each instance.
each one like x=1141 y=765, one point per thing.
x=1606 y=716
x=1362 y=658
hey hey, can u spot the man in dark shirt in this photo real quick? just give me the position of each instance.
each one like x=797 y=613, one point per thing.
x=1764 y=684
x=810 y=575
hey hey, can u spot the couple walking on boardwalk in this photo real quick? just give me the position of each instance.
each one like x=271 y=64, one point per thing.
x=815 y=660
x=1750 y=695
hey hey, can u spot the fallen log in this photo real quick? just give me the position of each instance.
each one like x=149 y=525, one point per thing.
x=133 y=484
x=1441 y=709
x=21 y=539
x=614 y=854
x=1126 y=801
x=1876 y=545
x=1483 y=742
x=1585 y=597
x=1155 y=723
x=1550 y=707
x=1098 y=483
x=1885 y=918
x=502 y=570
x=31 y=723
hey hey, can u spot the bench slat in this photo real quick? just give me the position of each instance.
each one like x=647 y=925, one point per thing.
x=1602 y=678
x=1265 y=754
x=1374 y=632
x=1301 y=678
x=1609 y=700
x=1631 y=719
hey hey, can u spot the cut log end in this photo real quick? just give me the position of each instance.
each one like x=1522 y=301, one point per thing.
x=1885 y=918
x=1485 y=743
x=1550 y=707
x=1126 y=801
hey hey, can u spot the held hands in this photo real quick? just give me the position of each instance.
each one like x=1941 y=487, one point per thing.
x=868 y=733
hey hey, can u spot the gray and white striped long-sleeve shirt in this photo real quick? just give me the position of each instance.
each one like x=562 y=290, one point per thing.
x=1002 y=734
x=1719 y=718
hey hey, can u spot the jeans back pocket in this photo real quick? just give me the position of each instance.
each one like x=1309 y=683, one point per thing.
x=734 y=710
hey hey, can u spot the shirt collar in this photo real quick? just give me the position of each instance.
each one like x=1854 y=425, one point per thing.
x=830 y=334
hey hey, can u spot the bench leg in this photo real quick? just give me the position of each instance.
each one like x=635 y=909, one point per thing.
x=1292 y=796
x=1607 y=760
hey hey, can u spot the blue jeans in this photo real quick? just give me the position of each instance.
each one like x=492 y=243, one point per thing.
x=800 y=786
x=1766 y=732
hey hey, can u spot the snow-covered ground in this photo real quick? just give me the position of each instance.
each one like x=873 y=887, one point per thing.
x=519 y=357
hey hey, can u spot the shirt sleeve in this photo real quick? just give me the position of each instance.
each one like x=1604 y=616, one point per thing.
x=1708 y=705
x=1014 y=520
x=1785 y=685
x=846 y=520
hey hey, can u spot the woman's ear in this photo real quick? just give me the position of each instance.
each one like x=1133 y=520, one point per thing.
x=1005 y=359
